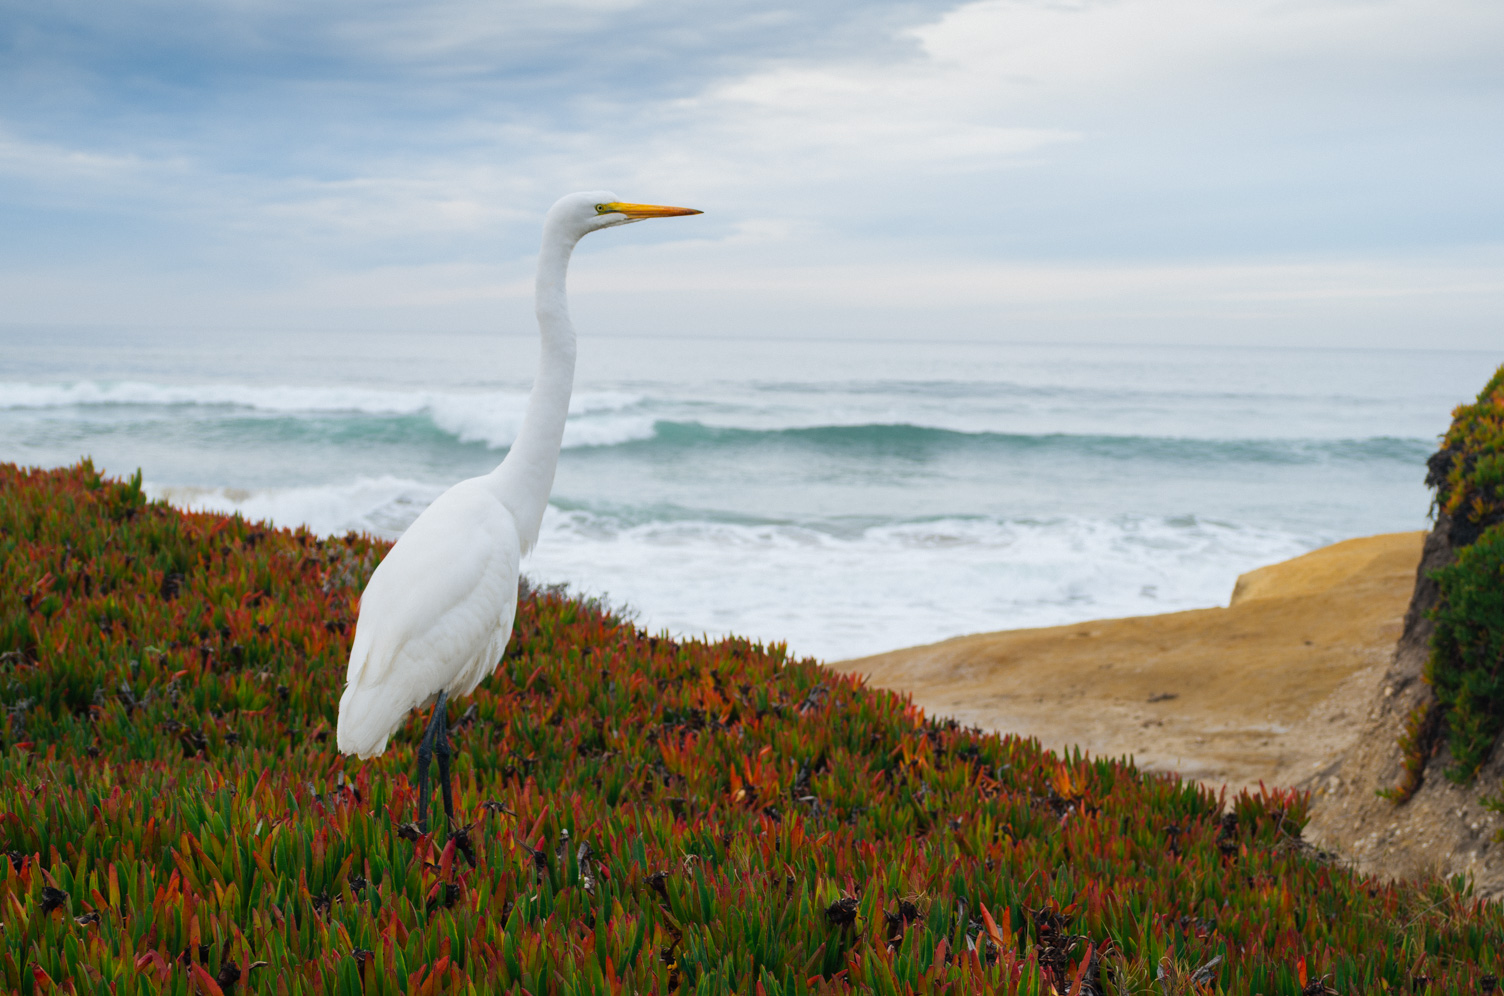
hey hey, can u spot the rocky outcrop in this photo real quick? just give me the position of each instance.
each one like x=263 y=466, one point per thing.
x=1442 y=829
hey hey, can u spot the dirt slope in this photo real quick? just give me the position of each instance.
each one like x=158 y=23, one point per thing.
x=1443 y=829
x=1274 y=687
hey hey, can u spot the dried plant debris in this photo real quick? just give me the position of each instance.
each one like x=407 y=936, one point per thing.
x=636 y=814
x=843 y=912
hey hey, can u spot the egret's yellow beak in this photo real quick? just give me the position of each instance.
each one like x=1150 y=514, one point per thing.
x=639 y=211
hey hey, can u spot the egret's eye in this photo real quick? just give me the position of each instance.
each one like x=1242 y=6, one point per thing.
x=600 y=209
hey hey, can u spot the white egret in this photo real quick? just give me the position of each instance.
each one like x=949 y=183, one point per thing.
x=438 y=610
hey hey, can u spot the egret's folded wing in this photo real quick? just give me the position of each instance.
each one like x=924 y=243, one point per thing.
x=436 y=614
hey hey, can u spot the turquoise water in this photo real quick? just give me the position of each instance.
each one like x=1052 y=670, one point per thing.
x=845 y=496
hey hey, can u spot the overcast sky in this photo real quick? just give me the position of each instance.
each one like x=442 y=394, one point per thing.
x=1323 y=172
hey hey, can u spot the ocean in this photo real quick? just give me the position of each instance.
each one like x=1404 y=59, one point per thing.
x=846 y=497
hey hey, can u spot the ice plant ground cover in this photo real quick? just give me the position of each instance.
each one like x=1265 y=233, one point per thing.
x=642 y=815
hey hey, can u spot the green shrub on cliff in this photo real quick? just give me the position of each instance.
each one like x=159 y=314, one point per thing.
x=1467 y=657
x=1468 y=471
x=1466 y=667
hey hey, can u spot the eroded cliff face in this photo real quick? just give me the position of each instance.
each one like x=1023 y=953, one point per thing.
x=1442 y=829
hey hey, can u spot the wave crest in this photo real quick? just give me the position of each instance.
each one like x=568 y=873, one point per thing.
x=909 y=440
x=604 y=418
x=597 y=418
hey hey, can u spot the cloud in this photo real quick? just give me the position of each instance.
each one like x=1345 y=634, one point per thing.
x=1102 y=54
x=61 y=167
x=1081 y=158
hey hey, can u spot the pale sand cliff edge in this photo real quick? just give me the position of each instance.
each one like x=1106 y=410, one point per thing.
x=1269 y=689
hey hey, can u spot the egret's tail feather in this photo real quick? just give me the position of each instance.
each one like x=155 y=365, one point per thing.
x=366 y=721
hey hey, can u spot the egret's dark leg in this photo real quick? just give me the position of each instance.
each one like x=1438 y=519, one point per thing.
x=441 y=749
x=438 y=721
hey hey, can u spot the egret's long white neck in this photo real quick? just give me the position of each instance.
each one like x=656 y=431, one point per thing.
x=526 y=476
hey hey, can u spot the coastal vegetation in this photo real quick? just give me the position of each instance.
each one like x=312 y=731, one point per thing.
x=1466 y=666
x=642 y=814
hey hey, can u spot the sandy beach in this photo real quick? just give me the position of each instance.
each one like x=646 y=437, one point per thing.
x=1269 y=688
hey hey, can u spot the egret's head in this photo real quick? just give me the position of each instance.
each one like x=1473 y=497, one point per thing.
x=582 y=213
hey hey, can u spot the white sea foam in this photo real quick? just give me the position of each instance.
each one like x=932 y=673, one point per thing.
x=599 y=418
x=383 y=506
x=269 y=398
x=830 y=594
x=905 y=583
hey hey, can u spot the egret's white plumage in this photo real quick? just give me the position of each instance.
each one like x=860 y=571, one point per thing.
x=438 y=610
